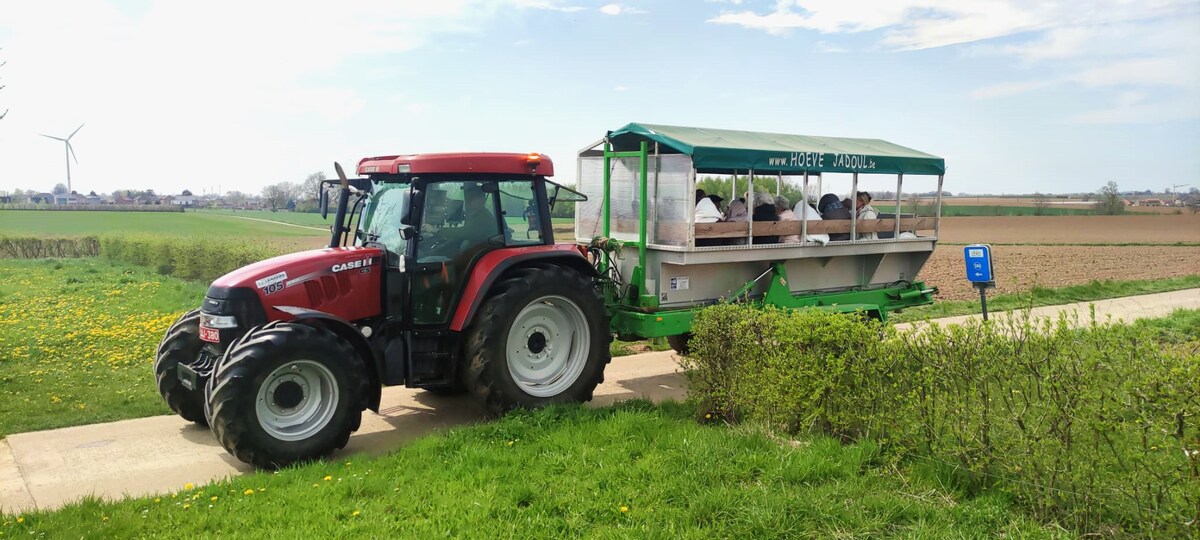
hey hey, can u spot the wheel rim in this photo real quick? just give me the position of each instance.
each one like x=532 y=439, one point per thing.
x=297 y=400
x=548 y=346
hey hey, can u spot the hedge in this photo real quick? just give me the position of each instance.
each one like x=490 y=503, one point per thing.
x=31 y=247
x=1094 y=426
x=186 y=257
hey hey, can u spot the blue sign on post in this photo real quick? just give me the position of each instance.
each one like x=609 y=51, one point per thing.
x=979 y=263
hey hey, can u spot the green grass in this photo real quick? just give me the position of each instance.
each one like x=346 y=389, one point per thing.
x=1042 y=296
x=634 y=470
x=297 y=218
x=1181 y=326
x=77 y=340
x=20 y=222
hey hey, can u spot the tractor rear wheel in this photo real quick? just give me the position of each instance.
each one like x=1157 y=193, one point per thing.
x=286 y=392
x=542 y=337
x=181 y=345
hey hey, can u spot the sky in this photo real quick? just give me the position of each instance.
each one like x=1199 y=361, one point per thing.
x=1019 y=96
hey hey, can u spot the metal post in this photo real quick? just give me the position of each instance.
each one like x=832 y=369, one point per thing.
x=605 y=204
x=937 y=221
x=899 y=186
x=642 y=222
x=854 y=207
x=983 y=298
x=691 y=220
x=750 y=207
x=804 y=216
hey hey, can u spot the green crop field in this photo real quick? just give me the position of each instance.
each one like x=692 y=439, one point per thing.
x=77 y=340
x=23 y=222
x=297 y=218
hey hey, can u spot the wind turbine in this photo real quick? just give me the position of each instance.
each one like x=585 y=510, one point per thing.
x=70 y=153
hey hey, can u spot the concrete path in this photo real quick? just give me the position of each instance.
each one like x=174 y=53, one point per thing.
x=44 y=470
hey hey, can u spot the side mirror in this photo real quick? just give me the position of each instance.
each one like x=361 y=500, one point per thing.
x=324 y=198
x=407 y=232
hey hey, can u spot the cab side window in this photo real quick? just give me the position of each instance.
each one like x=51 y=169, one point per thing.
x=522 y=218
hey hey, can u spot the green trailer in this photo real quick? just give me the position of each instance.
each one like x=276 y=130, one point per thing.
x=659 y=266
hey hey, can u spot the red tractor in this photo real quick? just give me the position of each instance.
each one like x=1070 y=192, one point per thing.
x=441 y=274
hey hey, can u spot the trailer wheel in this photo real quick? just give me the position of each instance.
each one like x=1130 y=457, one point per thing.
x=286 y=392
x=680 y=343
x=542 y=337
x=181 y=345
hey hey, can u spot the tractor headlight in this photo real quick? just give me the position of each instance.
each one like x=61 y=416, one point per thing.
x=218 y=321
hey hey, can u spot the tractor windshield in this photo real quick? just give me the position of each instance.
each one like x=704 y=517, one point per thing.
x=381 y=218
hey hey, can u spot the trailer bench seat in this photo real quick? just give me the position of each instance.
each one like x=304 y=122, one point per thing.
x=741 y=229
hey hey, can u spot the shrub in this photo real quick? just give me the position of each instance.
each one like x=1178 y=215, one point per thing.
x=30 y=247
x=1094 y=425
x=186 y=257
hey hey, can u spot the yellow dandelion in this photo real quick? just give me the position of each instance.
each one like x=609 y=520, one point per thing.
x=262 y=489
x=20 y=519
x=355 y=513
x=187 y=505
x=157 y=500
x=248 y=492
x=328 y=478
x=316 y=485
x=189 y=486
x=708 y=416
x=624 y=509
x=213 y=498
x=103 y=518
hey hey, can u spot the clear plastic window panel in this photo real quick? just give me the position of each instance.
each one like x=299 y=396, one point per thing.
x=668 y=209
x=588 y=213
x=674 y=199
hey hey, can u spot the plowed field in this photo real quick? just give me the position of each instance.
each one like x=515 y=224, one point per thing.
x=1021 y=267
x=1159 y=229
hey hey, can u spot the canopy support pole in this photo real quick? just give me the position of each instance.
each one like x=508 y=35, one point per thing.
x=899 y=187
x=804 y=216
x=750 y=207
x=854 y=207
x=937 y=222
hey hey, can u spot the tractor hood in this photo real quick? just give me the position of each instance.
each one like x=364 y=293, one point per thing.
x=343 y=281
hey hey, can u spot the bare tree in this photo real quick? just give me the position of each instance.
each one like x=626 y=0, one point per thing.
x=1110 y=200
x=278 y=195
x=1041 y=202
x=59 y=189
x=308 y=188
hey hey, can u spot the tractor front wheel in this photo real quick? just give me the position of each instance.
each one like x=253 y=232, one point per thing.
x=541 y=337
x=286 y=392
x=181 y=345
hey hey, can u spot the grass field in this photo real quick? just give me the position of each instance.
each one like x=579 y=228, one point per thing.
x=630 y=471
x=297 y=218
x=77 y=339
x=17 y=222
x=1042 y=296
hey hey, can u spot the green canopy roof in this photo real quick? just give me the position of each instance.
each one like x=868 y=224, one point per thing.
x=725 y=151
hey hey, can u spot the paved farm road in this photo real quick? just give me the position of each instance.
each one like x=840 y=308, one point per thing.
x=150 y=455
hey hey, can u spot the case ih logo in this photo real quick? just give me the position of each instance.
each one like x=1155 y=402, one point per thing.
x=361 y=263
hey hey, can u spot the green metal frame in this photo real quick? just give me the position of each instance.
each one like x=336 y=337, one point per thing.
x=632 y=323
x=639 y=317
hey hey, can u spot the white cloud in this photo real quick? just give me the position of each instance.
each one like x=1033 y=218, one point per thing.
x=618 y=9
x=1007 y=89
x=922 y=24
x=1134 y=108
x=827 y=47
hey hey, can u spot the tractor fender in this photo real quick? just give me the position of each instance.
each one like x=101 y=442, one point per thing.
x=494 y=264
x=348 y=332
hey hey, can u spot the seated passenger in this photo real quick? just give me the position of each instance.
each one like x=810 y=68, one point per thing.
x=808 y=213
x=764 y=210
x=831 y=208
x=866 y=211
x=707 y=211
x=784 y=209
x=737 y=211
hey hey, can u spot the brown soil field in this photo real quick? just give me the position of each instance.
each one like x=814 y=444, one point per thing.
x=1159 y=229
x=1028 y=202
x=1019 y=268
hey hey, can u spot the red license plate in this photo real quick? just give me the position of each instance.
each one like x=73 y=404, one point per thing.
x=211 y=335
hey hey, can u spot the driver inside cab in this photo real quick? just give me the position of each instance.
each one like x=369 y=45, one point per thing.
x=478 y=224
